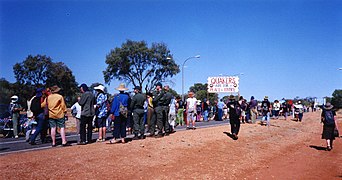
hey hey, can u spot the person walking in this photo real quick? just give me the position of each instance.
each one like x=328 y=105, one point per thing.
x=15 y=109
x=76 y=111
x=266 y=109
x=191 y=104
x=137 y=106
x=87 y=103
x=119 y=114
x=38 y=115
x=57 y=110
x=101 y=112
x=234 y=115
x=329 y=124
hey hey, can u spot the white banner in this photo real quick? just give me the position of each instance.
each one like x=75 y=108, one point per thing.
x=223 y=84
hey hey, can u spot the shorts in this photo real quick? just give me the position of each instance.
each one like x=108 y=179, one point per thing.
x=57 y=122
x=191 y=115
x=101 y=122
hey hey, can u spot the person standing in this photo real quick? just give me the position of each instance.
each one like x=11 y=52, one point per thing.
x=266 y=109
x=172 y=114
x=38 y=115
x=205 y=110
x=166 y=108
x=15 y=109
x=78 y=110
x=119 y=114
x=87 y=103
x=180 y=111
x=276 y=109
x=191 y=104
x=253 y=105
x=137 y=106
x=234 y=115
x=151 y=123
x=220 y=106
x=57 y=110
x=101 y=112
x=158 y=99
x=329 y=124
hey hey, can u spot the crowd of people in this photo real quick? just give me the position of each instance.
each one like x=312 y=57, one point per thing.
x=153 y=114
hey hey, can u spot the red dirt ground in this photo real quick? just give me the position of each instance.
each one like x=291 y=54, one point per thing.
x=286 y=150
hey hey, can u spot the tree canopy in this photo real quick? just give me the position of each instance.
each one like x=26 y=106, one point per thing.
x=201 y=91
x=40 y=71
x=134 y=62
x=336 y=99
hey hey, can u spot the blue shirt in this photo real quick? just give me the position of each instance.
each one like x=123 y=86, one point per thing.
x=123 y=98
x=220 y=105
x=101 y=105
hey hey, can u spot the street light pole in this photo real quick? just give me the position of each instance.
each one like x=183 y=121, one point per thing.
x=197 y=56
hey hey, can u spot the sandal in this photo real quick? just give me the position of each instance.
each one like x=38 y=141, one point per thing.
x=113 y=141
x=99 y=140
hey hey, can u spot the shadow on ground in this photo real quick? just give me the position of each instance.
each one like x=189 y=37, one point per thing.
x=319 y=148
x=229 y=135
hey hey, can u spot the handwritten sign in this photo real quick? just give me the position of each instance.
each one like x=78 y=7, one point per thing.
x=223 y=84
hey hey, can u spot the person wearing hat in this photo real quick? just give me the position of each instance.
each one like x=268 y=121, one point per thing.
x=166 y=109
x=57 y=110
x=158 y=100
x=265 y=109
x=234 y=116
x=101 y=112
x=38 y=115
x=329 y=124
x=119 y=114
x=137 y=106
x=87 y=103
x=15 y=109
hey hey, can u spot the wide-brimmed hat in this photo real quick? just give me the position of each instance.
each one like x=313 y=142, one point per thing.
x=122 y=87
x=100 y=87
x=266 y=97
x=328 y=106
x=231 y=97
x=55 y=89
x=14 y=98
x=137 y=88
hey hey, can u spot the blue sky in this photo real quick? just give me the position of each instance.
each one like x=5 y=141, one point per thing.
x=284 y=48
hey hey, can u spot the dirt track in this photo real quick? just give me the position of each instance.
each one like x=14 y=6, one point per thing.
x=286 y=150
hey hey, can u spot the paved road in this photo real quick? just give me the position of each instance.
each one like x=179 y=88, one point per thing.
x=11 y=145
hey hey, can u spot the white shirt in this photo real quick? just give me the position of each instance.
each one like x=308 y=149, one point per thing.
x=276 y=106
x=78 y=109
x=191 y=102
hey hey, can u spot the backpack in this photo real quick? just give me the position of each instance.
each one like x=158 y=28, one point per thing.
x=74 y=112
x=329 y=117
x=122 y=109
x=238 y=109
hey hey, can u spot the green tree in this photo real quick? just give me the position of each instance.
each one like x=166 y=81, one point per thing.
x=33 y=70
x=134 y=62
x=336 y=99
x=201 y=91
x=6 y=91
x=40 y=71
